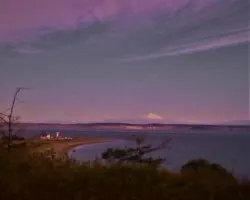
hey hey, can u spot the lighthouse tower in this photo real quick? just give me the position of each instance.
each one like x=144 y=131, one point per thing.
x=57 y=134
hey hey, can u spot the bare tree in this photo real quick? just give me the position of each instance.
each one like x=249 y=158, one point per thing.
x=8 y=120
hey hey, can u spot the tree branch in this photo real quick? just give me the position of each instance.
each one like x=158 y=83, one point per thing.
x=2 y=118
x=9 y=119
x=14 y=101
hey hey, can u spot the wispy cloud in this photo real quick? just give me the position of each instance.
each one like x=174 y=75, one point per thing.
x=27 y=50
x=197 y=46
x=130 y=29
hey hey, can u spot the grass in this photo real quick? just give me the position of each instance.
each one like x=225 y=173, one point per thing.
x=44 y=176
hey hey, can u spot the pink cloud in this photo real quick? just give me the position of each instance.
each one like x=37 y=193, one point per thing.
x=22 y=18
x=26 y=19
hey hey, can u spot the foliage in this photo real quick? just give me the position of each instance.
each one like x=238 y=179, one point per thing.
x=13 y=138
x=136 y=154
x=202 y=166
x=40 y=176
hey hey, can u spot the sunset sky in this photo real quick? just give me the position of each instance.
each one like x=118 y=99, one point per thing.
x=125 y=60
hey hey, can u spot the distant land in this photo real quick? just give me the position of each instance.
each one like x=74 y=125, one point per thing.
x=129 y=126
x=239 y=122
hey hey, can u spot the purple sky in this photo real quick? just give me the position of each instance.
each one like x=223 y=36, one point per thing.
x=126 y=60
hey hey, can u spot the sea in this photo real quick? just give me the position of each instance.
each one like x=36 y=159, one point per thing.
x=229 y=149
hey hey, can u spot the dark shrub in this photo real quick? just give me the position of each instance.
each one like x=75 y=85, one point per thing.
x=42 y=176
x=14 y=137
x=202 y=165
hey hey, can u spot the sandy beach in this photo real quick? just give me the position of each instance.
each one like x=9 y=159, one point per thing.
x=63 y=146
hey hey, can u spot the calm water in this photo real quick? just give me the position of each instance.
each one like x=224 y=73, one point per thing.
x=231 y=150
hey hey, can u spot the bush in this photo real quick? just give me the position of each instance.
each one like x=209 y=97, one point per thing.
x=43 y=176
x=202 y=166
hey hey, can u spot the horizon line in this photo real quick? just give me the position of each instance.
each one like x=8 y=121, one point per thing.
x=128 y=123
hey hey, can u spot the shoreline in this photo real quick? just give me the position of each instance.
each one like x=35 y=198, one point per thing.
x=72 y=147
x=62 y=147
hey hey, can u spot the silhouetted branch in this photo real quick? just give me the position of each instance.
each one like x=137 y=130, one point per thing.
x=9 y=119
x=121 y=155
x=2 y=119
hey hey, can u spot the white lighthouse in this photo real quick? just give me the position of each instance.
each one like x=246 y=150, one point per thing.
x=57 y=134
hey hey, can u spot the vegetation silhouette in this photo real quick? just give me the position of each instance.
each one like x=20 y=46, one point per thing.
x=136 y=154
x=8 y=121
x=28 y=176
